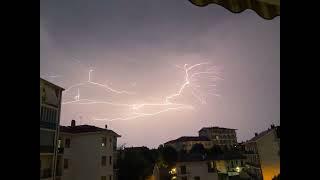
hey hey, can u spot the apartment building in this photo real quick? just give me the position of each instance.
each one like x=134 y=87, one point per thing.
x=263 y=153
x=186 y=142
x=225 y=137
x=199 y=167
x=89 y=152
x=50 y=107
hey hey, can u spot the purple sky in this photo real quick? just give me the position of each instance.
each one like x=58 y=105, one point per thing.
x=134 y=46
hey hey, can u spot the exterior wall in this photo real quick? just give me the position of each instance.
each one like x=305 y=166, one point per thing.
x=50 y=105
x=193 y=169
x=269 y=149
x=85 y=155
x=187 y=145
x=220 y=137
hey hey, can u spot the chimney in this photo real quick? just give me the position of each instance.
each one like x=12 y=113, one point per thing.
x=106 y=126
x=73 y=123
x=255 y=134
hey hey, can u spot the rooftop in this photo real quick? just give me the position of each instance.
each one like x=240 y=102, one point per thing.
x=263 y=133
x=85 y=129
x=50 y=83
x=189 y=138
x=216 y=127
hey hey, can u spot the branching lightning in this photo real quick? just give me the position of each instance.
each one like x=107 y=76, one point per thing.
x=192 y=76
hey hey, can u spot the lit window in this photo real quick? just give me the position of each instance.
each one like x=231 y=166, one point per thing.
x=104 y=141
x=59 y=143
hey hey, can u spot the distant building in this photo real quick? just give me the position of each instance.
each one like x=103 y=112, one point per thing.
x=263 y=153
x=50 y=107
x=186 y=142
x=199 y=167
x=220 y=136
x=89 y=152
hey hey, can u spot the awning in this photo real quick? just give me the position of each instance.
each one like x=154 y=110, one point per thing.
x=267 y=9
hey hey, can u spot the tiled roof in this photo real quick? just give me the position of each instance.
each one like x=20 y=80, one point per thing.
x=189 y=138
x=215 y=127
x=85 y=129
x=263 y=133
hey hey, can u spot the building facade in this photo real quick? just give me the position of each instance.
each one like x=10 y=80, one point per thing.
x=89 y=152
x=186 y=142
x=50 y=107
x=220 y=136
x=263 y=153
x=199 y=167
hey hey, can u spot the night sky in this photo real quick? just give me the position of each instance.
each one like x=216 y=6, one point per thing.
x=137 y=45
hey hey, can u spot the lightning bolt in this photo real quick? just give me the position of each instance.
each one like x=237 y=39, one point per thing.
x=104 y=86
x=167 y=104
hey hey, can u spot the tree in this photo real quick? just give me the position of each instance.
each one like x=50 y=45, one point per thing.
x=215 y=149
x=276 y=177
x=168 y=154
x=198 y=148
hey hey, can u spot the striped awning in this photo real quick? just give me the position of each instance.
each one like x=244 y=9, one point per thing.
x=267 y=9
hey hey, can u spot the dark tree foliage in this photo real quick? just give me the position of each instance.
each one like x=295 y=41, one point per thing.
x=168 y=154
x=136 y=163
x=215 y=150
x=276 y=177
x=198 y=148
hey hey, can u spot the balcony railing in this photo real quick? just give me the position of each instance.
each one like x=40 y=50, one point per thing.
x=45 y=173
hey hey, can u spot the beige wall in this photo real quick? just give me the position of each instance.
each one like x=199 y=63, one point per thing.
x=196 y=169
x=85 y=155
x=268 y=148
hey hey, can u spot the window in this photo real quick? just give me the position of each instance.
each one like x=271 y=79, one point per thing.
x=196 y=178
x=103 y=177
x=59 y=143
x=110 y=160
x=104 y=141
x=183 y=169
x=65 y=163
x=67 y=143
x=211 y=166
x=184 y=178
x=110 y=177
x=103 y=160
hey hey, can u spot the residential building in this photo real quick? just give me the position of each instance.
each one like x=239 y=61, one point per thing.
x=186 y=142
x=263 y=153
x=50 y=107
x=200 y=167
x=225 y=137
x=89 y=152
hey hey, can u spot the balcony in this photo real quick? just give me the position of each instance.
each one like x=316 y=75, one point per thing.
x=48 y=125
x=46 y=149
x=45 y=173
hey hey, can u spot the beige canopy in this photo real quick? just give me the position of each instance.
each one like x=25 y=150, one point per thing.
x=267 y=9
